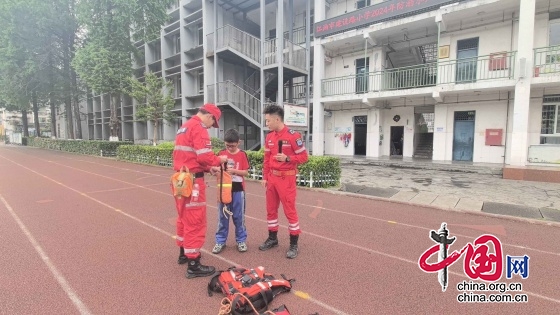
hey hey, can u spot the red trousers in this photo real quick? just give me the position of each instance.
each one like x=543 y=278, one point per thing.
x=191 y=222
x=282 y=189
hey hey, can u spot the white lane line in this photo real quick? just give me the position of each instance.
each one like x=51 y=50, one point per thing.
x=72 y=295
x=304 y=232
x=317 y=302
x=319 y=208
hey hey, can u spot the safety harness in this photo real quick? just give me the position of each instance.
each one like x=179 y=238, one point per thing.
x=248 y=291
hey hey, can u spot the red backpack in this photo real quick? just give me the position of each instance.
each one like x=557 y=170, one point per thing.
x=248 y=290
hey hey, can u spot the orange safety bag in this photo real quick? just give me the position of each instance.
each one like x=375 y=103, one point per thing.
x=225 y=183
x=182 y=183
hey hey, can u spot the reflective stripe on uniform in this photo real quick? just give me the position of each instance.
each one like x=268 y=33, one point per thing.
x=294 y=226
x=195 y=204
x=184 y=148
x=298 y=151
x=272 y=223
x=202 y=151
x=179 y=238
x=191 y=250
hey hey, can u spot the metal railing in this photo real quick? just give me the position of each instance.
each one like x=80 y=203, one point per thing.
x=244 y=43
x=491 y=67
x=298 y=90
x=233 y=94
x=547 y=61
x=292 y=54
x=468 y=70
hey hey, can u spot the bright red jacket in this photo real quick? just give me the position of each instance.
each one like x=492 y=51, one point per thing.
x=292 y=146
x=193 y=147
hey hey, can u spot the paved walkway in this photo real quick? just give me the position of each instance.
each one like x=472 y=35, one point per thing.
x=461 y=186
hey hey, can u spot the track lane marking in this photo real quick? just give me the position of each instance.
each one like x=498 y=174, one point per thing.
x=304 y=232
x=317 y=302
x=315 y=207
x=72 y=295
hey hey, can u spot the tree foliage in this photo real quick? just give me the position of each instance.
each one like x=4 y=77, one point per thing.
x=155 y=99
x=105 y=61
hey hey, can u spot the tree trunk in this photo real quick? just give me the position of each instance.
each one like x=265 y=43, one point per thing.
x=156 y=128
x=72 y=29
x=76 y=105
x=36 y=115
x=25 y=123
x=113 y=122
x=51 y=98
x=66 y=47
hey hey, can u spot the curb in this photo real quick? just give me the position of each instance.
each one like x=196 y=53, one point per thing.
x=470 y=212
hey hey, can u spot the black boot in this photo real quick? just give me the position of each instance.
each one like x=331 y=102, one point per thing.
x=182 y=258
x=293 y=251
x=196 y=269
x=271 y=241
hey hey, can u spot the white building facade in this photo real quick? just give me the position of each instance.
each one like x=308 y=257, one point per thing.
x=447 y=80
x=473 y=80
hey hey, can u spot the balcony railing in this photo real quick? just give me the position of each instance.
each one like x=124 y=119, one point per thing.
x=293 y=55
x=492 y=67
x=299 y=91
x=547 y=61
x=245 y=43
x=232 y=93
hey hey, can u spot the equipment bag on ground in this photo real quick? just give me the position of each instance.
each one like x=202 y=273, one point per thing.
x=241 y=286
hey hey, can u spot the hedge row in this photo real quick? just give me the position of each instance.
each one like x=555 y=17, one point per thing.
x=88 y=147
x=326 y=170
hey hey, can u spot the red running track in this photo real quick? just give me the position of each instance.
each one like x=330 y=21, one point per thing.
x=88 y=235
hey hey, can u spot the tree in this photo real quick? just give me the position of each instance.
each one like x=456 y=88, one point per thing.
x=104 y=63
x=156 y=100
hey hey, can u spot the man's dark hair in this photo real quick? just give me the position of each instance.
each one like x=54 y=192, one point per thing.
x=203 y=111
x=275 y=110
x=231 y=136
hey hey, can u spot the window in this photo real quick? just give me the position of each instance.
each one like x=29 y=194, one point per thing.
x=363 y=3
x=201 y=82
x=554 y=30
x=550 y=120
x=157 y=51
x=178 y=87
x=200 y=34
x=177 y=44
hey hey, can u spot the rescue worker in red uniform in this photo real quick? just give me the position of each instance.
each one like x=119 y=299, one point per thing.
x=283 y=151
x=193 y=149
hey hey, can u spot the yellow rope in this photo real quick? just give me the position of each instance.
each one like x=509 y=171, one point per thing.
x=225 y=305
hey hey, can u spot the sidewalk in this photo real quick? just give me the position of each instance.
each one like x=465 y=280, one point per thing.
x=460 y=186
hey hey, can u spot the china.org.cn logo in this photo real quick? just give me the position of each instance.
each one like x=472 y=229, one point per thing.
x=479 y=262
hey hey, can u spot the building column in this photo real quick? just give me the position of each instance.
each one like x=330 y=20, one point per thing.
x=523 y=66
x=318 y=73
x=280 y=51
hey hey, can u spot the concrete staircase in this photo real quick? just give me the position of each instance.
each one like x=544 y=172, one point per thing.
x=425 y=145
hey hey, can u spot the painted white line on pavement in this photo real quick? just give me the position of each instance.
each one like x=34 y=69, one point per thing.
x=72 y=295
x=317 y=302
x=409 y=225
x=369 y=250
x=253 y=218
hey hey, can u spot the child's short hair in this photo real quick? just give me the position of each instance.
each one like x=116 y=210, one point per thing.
x=231 y=135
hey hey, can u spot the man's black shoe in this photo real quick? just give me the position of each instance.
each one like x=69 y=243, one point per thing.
x=268 y=244
x=292 y=252
x=182 y=260
x=196 y=269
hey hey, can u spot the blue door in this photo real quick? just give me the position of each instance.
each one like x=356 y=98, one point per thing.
x=463 y=136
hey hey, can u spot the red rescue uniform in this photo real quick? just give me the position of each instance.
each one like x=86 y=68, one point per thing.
x=281 y=177
x=193 y=149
